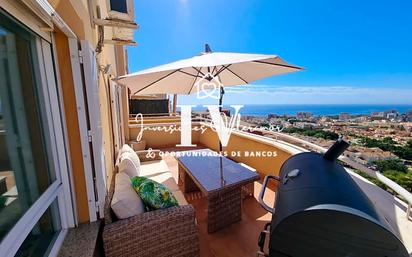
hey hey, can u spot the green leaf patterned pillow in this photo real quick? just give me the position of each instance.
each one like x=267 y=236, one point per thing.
x=153 y=194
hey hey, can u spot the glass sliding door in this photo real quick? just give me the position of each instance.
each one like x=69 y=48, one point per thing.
x=43 y=234
x=29 y=182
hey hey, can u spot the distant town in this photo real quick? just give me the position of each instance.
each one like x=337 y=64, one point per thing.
x=380 y=140
x=377 y=125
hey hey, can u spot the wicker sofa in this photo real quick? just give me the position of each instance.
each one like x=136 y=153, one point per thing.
x=162 y=233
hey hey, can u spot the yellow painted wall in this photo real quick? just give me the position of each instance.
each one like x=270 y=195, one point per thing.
x=76 y=15
x=148 y=120
x=160 y=139
x=209 y=139
x=121 y=63
x=243 y=144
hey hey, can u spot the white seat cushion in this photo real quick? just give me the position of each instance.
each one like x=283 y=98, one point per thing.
x=128 y=165
x=180 y=197
x=126 y=202
x=165 y=179
x=153 y=167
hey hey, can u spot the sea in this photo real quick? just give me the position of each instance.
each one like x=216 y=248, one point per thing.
x=315 y=109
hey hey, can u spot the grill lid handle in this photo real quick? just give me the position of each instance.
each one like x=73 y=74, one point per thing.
x=336 y=150
x=262 y=193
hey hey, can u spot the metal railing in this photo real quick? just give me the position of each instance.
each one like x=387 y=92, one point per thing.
x=407 y=196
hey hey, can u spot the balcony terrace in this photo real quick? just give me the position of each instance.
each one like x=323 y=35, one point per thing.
x=240 y=239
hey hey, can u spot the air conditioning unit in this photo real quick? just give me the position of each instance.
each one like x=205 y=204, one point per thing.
x=121 y=9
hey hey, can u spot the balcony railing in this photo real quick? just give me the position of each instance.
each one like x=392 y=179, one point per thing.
x=407 y=196
x=284 y=145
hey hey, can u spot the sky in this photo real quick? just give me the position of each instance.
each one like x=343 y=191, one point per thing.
x=353 y=52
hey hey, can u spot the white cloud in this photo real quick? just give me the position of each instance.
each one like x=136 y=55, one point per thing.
x=267 y=89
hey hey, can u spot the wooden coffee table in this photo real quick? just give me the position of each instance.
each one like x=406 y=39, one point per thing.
x=220 y=180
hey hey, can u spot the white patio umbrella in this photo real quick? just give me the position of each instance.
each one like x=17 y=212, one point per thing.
x=205 y=71
x=184 y=76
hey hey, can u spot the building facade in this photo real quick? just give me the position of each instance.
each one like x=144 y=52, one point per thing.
x=303 y=115
x=344 y=116
x=62 y=119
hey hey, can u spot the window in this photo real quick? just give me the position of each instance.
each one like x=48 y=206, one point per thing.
x=118 y=6
x=43 y=234
x=24 y=170
x=30 y=129
x=121 y=9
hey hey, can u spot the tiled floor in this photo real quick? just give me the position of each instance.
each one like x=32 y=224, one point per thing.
x=239 y=239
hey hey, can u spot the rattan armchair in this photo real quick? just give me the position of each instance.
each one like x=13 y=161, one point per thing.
x=170 y=232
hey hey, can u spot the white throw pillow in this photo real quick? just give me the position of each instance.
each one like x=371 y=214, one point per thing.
x=133 y=157
x=126 y=148
x=129 y=164
x=126 y=202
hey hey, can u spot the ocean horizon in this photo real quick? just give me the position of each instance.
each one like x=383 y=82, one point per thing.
x=315 y=109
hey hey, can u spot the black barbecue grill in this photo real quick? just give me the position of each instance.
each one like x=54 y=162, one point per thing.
x=321 y=212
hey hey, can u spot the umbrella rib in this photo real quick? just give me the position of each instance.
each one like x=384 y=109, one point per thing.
x=198 y=71
x=278 y=64
x=222 y=69
x=237 y=76
x=154 y=82
x=187 y=73
x=214 y=68
x=194 y=82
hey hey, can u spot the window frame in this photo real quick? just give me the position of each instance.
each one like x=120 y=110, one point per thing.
x=129 y=16
x=49 y=87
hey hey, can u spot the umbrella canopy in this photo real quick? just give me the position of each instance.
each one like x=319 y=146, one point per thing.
x=184 y=76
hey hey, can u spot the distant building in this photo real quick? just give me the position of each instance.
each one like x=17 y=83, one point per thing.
x=305 y=125
x=303 y=115
x=377 y=115
x=391 y=114
x=272 y=116
x=409 y=116
x=361 y=119
x=344 y=116
x=325 y=119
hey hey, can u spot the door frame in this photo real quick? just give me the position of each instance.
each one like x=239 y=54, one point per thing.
x=50 y=87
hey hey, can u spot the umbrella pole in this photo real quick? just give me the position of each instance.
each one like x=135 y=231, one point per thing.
x=174 y=103
x=222 y=179
x=222 y=92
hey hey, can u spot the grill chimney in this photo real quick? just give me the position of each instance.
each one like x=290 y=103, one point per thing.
x=333 y=153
